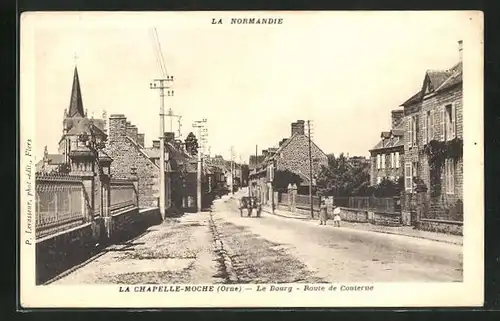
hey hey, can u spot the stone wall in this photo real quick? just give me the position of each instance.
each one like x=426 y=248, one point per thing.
x=449 y=227
x=126 y=153
x=388 y=171
x=439 y=205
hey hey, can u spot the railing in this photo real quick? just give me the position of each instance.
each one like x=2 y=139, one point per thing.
x=303 y=200
x=61 y=203
x=342 y=201
x=376 y=204
x=123 y=195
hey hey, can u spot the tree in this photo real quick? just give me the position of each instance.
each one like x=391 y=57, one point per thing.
x=283 y=178
x=387 y=188
x=343 y=178
x=191 y=143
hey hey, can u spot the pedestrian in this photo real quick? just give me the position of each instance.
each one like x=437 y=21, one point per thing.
x=336 y=217
x=322 y=213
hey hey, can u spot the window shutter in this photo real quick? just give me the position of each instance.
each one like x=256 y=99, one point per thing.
x=397 y=159
x=408 y=177
x=453 y=121
x=409 y=125
x=424 y=129
x=378 y=161
x=431 y=126
x=383 y=161
x=443 y=123
x=393 y=163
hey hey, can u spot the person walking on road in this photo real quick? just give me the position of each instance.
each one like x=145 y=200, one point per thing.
x=322 y=213
x=336 y=217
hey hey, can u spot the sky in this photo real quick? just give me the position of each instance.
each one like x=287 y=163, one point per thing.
x=343 y=71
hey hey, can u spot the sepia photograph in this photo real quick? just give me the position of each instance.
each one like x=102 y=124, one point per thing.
x=251 y=159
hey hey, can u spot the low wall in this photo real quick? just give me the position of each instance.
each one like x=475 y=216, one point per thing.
x=449 y=227
x=58 y=252
x=353 y=215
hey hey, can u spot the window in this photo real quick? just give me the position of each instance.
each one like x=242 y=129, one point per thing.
x=448 y=122
x=378 y=161
x=383 y=161
x=379 y=180
x=430 y=125
x=409 y=130
x=392 y=160
x=397 y=159
x=408 y=177
x=427 y=130
x=450 y=175
x=412 y=131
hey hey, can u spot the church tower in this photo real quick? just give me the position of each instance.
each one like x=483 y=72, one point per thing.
x=72 y=116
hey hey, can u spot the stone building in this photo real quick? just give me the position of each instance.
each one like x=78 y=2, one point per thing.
x=433 y=125
x=130 y=159
x=292 y=154
x=387 y=157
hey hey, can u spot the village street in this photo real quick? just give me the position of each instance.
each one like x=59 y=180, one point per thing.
x=222 y=247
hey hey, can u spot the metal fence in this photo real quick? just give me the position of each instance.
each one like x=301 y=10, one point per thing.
x=376 y=204
x=304 y=200
x=61 y=203
x=123 y=195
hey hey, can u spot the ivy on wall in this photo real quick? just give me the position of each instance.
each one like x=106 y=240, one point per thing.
x=437 y=152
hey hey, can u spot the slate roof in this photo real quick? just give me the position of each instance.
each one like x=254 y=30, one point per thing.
x=439 y=80
x=55 y=159
x=83 y=125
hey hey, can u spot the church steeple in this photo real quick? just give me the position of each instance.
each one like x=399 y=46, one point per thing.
x=76 y=103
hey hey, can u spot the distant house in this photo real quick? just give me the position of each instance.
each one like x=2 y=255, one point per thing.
x=292 y=154
x=181 y=168
x=387 y=156
x=50 y=162
x=434 y=120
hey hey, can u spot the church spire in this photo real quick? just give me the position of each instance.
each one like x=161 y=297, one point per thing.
x=76 y=103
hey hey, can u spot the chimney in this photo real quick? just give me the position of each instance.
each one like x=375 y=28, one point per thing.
x=132 y=131
x=140 y=140
x=169 y=137
x=460 y=49
x=396 y=117
x=117 y=127
x=156 y=144
x=282 y=141
x=298 y=127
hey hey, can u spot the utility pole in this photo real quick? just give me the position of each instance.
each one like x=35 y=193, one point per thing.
x=162 y=84
x=200 y=125
x=171 y=115
x=232 y=170
x=310 y=168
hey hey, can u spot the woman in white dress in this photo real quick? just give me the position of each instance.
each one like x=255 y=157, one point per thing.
x=336 y=217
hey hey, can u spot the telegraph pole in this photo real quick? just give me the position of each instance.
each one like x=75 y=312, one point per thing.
x=200 y=125
x=171 y=115
x=232 y=170
x=310 y=168
x=162 y=84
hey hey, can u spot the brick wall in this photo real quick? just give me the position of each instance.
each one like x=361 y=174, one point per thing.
x=439 y=205
x=127 y=154
x=295 y=156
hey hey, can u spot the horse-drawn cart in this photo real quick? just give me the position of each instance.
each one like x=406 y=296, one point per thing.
x=250 y=203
